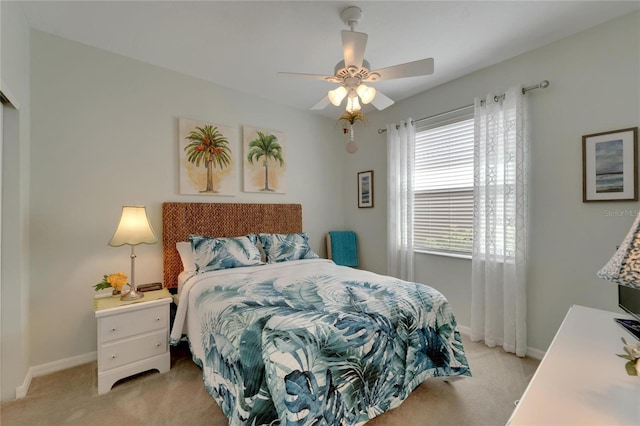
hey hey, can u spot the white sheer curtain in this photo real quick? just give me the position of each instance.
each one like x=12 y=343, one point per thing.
x=400 y=154
x=498 y=290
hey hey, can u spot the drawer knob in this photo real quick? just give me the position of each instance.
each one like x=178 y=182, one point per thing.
x=113 y=356
x=113 y=329
x=157 y=319
x=157 y=345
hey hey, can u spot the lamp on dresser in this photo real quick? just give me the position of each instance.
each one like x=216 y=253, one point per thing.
x=134 y=228
x=624 y=266
x=624 y=270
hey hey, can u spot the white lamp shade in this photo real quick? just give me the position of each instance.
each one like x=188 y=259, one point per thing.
x=353 y=105
x=134 y=228
x=624 y=266
x=337 y=95
x=366 y=93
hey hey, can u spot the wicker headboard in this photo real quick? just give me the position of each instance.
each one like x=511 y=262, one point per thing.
x=220 y=220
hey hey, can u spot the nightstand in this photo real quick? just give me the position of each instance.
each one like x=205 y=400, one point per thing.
x=133 y=336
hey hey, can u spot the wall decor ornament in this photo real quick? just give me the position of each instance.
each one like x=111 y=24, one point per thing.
x=610 y=166
x=350 y=118
x=365 y=189
x=207 y=158
x=264 y=165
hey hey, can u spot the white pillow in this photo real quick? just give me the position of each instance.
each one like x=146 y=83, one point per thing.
x=186 y=255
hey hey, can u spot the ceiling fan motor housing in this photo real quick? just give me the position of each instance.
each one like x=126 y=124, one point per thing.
x=342 y=72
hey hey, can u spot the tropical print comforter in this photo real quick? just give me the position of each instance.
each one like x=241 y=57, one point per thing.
x=308 y=342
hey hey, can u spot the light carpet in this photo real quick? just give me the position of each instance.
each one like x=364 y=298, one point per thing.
x=70 y=397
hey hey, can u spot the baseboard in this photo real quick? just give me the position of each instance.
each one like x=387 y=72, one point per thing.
x=531 y=352
x=464 y=330
x=52 y=367
x=21 y=391
x=535 y=353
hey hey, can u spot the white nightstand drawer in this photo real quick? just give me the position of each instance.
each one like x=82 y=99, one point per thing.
x=131 y=350
x=132 y=323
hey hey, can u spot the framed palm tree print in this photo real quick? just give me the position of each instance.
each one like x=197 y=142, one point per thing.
x=264 y=162
x=207 y=158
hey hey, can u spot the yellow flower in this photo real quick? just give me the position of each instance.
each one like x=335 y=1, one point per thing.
x=117 y=280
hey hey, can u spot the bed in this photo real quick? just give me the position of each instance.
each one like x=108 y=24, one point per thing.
x=301 y=340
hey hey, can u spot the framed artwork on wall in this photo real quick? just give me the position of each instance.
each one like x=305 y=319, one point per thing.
x=610 y=166
x=365 y=189
x=207 y=158
x=264 y=164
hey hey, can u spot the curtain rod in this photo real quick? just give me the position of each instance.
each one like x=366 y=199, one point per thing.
x=542 y=85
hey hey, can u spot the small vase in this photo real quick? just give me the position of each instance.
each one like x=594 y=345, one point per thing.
x=115 y=292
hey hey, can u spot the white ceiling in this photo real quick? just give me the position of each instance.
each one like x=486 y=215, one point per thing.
x=242 y=45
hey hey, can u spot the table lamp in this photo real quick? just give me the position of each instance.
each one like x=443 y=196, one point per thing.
x=624 y=270
x=134 y=228
x=624 y=267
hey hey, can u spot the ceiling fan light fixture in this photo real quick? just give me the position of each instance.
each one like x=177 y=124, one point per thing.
x=353 y=69
x=337 y=95
x=352 y=104
x=366 y=93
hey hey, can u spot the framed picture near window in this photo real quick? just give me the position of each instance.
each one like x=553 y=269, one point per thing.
x=365 y=189
x=610 y=166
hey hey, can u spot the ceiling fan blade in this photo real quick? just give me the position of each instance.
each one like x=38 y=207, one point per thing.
x=353 y=45
x=409 y=69
x=322 y=104
x=329 y=78
x=381 y=101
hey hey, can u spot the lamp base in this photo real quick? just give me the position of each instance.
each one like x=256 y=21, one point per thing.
x=132 y=294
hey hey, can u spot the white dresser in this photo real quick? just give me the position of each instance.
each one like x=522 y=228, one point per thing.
x=580 y=380
x=133 y=337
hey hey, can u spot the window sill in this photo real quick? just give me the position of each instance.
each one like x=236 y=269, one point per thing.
x=438 y=253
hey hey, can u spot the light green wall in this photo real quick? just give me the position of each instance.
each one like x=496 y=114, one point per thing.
x=595 y=86
x=104 y=135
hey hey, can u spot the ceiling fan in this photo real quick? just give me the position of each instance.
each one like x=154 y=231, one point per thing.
x=354 y=70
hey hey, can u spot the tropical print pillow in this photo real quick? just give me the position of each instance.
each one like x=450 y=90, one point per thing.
x=211 y=254
x=285 y=247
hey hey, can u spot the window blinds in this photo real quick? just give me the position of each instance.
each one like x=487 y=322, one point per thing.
x=443 y=204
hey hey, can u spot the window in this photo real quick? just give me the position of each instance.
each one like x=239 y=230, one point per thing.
x=443 y=183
